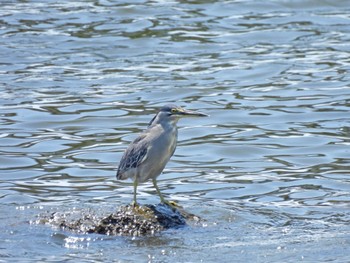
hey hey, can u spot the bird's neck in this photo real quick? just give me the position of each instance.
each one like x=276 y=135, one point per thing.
x=166 y=125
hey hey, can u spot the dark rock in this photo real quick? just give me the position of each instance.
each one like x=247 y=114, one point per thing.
x=128 y=220
x=167 y=216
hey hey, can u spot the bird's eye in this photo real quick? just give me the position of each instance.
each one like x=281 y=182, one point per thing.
x=173 y=110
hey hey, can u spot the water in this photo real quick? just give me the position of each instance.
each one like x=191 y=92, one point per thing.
x=269 y=170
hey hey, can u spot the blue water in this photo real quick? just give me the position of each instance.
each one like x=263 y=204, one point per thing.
x=268 y=171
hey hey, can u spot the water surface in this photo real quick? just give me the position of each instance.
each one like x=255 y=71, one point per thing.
x=269 y=170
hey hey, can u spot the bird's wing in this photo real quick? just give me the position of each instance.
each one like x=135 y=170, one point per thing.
x=134 y=155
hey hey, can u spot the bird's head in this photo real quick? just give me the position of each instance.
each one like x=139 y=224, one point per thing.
x=172 y=113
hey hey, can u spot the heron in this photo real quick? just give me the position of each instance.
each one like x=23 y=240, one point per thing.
x=146 y=157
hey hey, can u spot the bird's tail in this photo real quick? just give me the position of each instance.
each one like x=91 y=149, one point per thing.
x=120 y=175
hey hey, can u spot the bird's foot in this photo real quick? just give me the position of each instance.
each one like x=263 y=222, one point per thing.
x=172 y=204
x=134 y=205
x=176 y=207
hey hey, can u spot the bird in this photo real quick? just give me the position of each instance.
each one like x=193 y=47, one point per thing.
x=146 y=156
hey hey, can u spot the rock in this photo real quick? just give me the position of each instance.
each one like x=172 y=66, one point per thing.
x=167 y=216
x=128 y=220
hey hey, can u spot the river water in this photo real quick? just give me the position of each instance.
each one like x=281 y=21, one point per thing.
x=269 y=170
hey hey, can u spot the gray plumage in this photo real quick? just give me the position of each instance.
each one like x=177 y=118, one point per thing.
x=147 y=155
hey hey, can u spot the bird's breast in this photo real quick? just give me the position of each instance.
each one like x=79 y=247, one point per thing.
x=167 y=143
x=173 y=139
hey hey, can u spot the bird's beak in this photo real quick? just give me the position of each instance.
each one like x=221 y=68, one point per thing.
x=190 y=113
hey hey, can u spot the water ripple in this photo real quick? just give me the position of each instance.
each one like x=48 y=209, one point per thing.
x=79 y=80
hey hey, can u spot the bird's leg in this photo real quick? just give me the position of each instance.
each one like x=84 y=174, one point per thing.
x=162 y=200
x=134 y=203
x=158 y=191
